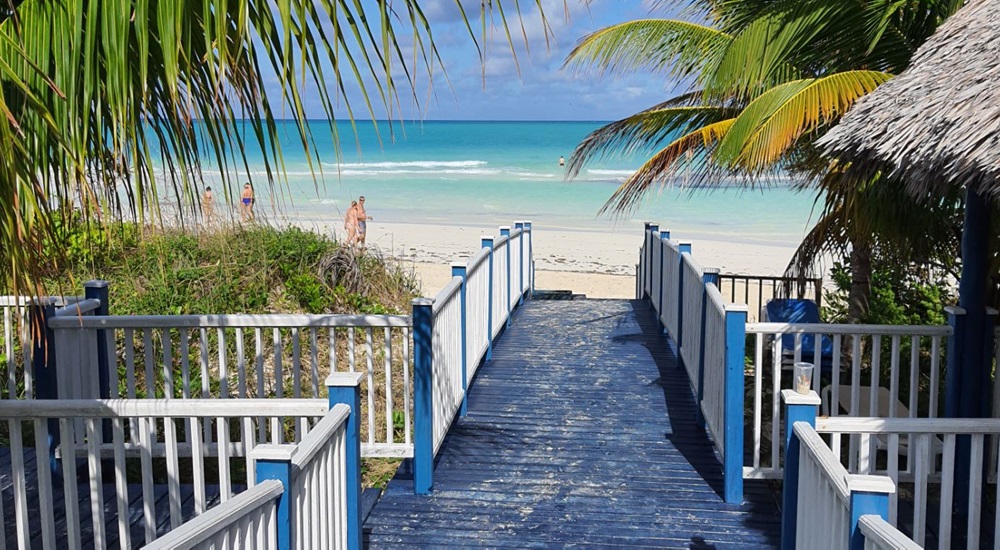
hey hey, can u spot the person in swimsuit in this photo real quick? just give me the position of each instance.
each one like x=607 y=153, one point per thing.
x=207 y=206
x=246 y=210
x=351 y=223
x=363 y=217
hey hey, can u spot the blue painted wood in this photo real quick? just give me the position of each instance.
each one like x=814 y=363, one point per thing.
x=733 y=416
x=459 y=270
x=505 y=232
x=864 y=503
x=578 y=432
x=487 y=242
x=348 y=392
x=423 y=401
x=790 y=485
x=664 y=236
x=531 y=256
x=282 y=471
x=520 y=252
x=43 y=367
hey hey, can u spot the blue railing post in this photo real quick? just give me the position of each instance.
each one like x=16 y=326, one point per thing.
x=275 y=462
x=531 y=259
x=647 y=257
x=638 y=284
x=664 y=236
x=98 y=290
x=709 y=276
x=732 y=467
x=798 y=408
x=423 y=398
x=520 y=252
x=869 y=496
x=952 y=407
x=505 y=232
x=43 y=366
x=459 y=270
x=488 y=243
x=682 y=248
x=345 y=388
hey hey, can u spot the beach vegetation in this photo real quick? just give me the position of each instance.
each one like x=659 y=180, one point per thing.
x=761 y=82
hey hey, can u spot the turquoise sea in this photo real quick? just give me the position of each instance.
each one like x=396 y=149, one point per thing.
x=495 y=172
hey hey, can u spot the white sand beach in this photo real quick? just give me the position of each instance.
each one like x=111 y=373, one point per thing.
x=600 y=264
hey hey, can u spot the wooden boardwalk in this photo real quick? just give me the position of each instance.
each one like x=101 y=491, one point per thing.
x=580 y=432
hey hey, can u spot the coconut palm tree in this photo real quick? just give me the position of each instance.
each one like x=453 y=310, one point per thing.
x=764 y=80
x=108 y=106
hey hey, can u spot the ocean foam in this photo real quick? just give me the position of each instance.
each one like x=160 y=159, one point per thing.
x=426 y=164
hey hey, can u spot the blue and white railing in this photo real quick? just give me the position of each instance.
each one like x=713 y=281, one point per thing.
x=711 y=337
x=453 y=334
x=823 y=503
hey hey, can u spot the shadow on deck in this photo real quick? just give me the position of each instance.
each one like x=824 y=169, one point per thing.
x=580 y=431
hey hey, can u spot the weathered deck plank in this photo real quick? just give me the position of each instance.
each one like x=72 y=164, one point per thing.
x=580 y=431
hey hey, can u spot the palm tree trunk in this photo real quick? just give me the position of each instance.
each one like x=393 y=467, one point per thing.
x=861 y=288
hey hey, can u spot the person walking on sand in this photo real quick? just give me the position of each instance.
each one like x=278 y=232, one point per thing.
x=351 y=223
x=246 y=209
x=207 y=206
x=363 y=217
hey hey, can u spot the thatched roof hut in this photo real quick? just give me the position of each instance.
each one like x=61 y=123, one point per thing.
x=936 y=125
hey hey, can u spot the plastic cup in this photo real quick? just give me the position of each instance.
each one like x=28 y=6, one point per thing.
x=803 y=377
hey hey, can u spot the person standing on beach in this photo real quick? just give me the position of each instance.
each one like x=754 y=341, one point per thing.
x=246 y=209
x=363 y=217
x=207 y=206
x=351 y=223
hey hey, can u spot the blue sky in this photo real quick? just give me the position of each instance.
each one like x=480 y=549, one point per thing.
x=535 y=87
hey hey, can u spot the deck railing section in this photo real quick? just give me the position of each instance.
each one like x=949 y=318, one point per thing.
x=757 y=290
x=453 y=334
x=199 y=442
x=307 y=495
x=246 y=356
x=938 y=463
x=17 y=368
x=692 y=282
x=881 y=535
x=904 y=362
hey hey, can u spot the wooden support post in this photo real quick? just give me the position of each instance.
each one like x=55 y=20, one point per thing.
x=869 y=496
x=505 y=232
x=488 y=243
x=275 y=462
x=732 y=467
x=683 y=248
x=458 y=269
x=531 y=259
x=43 y=366
x=423 y=396
x=345 y=388
x=709 y=276
x=647 y=257
x=98 y=290
x=520 y=255
x=798 y=408
x=664 y=236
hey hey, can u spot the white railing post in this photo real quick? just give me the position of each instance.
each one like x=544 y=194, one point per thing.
x=531 y=259
x=798 y=408
x=664 y=236
x=682 y=248
x=505 y=232
x=487 y=242
x=869 y=496
x=345 y=388
x=732 y=467
x=275 y=462
x=520 y=275
x=647 y=258
x=458 y=269
x=423 y=395
x=709 y=276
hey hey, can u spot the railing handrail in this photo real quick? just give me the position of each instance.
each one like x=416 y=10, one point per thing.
x=77 y=309
x=448 y=293
x=848 y=329
x=320 y=434
x=832 y=469
x=884 y=535
x=875 y=425
x=161 y=408
x=230 y=321
x=478 y=260
x=769 y=278
x=218 y=518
